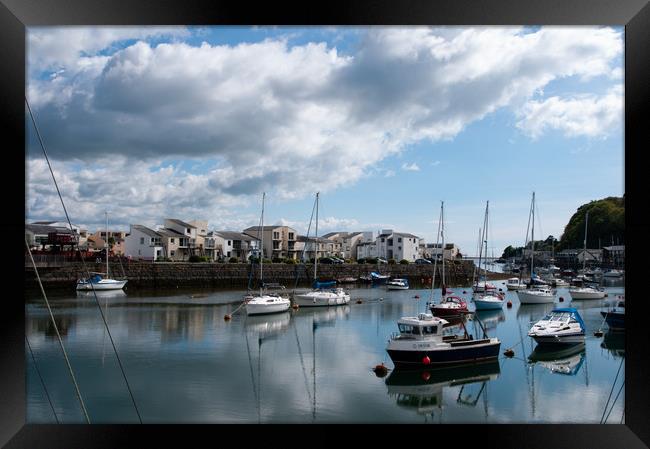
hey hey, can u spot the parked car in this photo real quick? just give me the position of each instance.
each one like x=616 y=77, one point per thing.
x=423 y=261
x=337 y=259
x=381 y=260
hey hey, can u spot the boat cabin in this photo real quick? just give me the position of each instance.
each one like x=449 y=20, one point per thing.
x=423 y=326
x=564 y=316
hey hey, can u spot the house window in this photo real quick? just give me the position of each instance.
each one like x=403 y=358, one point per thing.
x=382 y=240
x=172 y=253
x=139 y=253
x=399 y=248
x=141 y=240
x=171 y=240
x=189 y=231
x=229 y=242
x=399 y=240
x=276 y=245
x=291 y=236
x=390 y=242
x=276 y=235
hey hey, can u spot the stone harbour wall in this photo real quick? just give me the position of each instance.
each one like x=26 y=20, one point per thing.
x=172 y=274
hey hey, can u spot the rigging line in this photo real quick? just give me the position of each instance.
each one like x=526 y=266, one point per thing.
x=435 y=261
x=613 y=403
x=83 y=261
x=58 y=335
x=612 y=390
x=42 y=381
x=304 y=248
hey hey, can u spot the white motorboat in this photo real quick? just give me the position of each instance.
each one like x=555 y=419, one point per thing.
x=614 y=273
x=322 y=298
x=101 y=281
x=536 y=296
x=263 y=302
x=559 y=282
x=515 y=284
x=586 y=293
x=397 y=284
x=489 y=301
x=421 y=343
x=483 y=286
x=560 y=326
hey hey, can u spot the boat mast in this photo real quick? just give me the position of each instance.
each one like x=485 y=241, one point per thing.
x=435 y=262
x=106 y=243
x=532 y=238
x=475 y=278
x=316 y=252
x=262 y=241
x=584 y=252
x=486 y=246
x=442 y=248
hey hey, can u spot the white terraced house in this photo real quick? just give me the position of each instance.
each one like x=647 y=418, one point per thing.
x=398 y=245
x=279 y=241
x=143 y=243
x=348 y=242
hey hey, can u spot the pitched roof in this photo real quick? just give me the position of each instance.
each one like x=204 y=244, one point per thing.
x=45 y=229
x=145 y=230
x=234 y=235
x=167 y=232
x=180 y=222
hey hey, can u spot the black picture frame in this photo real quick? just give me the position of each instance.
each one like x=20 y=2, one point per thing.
x=15 y=15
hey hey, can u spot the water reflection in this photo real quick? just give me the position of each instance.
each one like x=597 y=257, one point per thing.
x=561 y=360
x=490 y=318
x=422 y=390
x=615 y=343
x=268 y=325
x=101 y=294
x=325 y=316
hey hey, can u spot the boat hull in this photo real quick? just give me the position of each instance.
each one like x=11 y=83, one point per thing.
x=104 y=284
x=615 y=320
x=515 y=287
x=528 y=298
x=447 y=312
x=263 y=309
x=559 y=339
x=586 y=295
x=487 y=305
x=443 y=357
x=397 y=287
x=321 y=301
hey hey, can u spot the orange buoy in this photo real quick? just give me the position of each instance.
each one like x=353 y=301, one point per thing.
x=380 y=370
x=509 y=303
x=426 y=360
x=227 y=317
x=426 y=375
x=509 y=353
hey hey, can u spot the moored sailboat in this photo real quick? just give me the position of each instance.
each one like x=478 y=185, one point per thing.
x=101 y=281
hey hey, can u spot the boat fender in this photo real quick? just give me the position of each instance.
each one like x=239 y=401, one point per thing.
x=426 y=360
x=426 y=375
x=605 y=295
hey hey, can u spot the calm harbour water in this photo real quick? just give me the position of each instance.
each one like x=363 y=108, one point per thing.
x=186 y=364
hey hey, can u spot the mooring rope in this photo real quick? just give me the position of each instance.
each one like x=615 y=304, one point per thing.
x=58 y=335
x=42 y=381
x=612 y=390
x=83 y=261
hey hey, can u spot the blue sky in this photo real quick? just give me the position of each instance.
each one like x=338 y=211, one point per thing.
x=194 y=123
